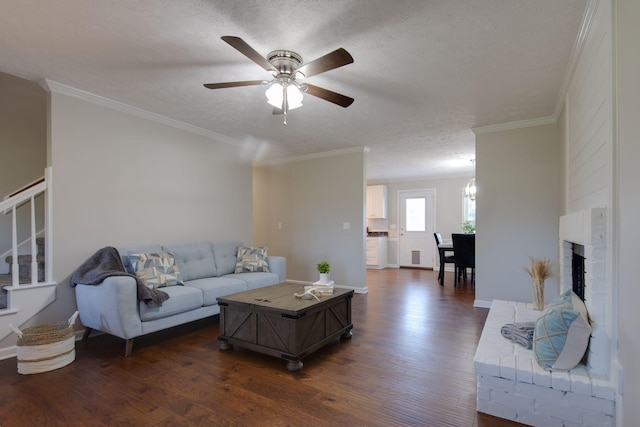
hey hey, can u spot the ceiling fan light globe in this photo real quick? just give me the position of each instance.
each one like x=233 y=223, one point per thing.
x=275 y=95
x=294 y=97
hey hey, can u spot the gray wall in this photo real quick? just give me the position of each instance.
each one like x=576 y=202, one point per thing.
x=517 y=210
x=312 y=198
x=627 y=179
x=23 y=149
x=123 y=180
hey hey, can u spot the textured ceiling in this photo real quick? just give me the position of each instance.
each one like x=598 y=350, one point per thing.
x=425 y=72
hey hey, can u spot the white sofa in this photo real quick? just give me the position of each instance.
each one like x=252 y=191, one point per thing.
x=207 y=271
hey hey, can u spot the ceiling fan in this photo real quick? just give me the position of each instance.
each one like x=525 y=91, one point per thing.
x=285 y=90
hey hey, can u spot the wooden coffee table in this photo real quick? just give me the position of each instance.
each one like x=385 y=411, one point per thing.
x=271 y=320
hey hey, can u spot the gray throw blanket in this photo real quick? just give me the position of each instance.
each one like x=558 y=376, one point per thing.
x=520 y=333
x=106 y=262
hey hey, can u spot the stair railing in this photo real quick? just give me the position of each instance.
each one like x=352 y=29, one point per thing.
x=26 y=195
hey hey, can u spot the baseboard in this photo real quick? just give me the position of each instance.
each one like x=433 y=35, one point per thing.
x=8 y=352
x=482 y=304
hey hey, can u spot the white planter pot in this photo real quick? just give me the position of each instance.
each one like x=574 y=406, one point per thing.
x=324 y=277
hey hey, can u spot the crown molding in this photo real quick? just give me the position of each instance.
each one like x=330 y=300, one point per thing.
x=576 y=53
x=514 y=125
x=62 y=89
x=332 y=153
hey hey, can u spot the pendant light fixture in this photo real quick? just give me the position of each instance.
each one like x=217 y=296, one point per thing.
x=470 y=189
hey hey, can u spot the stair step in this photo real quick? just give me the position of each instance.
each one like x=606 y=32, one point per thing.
x=3 y=299
x=24 y=259
x=6 y=280
x=40 y=245
x=24 y=265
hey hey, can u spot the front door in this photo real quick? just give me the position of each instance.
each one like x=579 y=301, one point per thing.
x=416 y=210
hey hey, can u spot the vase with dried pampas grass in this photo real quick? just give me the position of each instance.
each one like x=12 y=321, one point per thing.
x=539 y=270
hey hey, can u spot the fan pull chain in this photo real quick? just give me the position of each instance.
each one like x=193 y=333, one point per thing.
x=284 y=102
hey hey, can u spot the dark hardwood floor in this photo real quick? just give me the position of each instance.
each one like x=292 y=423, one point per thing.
x=409 y=363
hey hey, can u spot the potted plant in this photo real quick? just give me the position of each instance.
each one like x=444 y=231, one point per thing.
x=468 y=227
x=323 y=268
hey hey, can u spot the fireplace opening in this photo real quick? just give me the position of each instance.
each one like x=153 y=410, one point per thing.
x=577 y=270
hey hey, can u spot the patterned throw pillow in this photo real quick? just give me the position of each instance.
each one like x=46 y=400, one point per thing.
x=561 y=334
x=252 y=259
x=155 y=269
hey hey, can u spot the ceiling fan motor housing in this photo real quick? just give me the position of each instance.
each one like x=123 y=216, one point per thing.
x=285 y=62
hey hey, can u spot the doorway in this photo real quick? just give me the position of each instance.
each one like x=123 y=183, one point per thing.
x=416 y=213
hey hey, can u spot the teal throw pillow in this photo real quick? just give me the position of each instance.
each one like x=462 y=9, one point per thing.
x=561 y=334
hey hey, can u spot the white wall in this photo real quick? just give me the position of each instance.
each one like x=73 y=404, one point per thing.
x=589 y=119
x=628 y=199
x=312 y=198
x=516 y=210
x=122 y=180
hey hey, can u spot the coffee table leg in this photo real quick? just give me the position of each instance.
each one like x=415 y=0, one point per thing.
x=294 y=365
x=347 y=335
x=225 y=346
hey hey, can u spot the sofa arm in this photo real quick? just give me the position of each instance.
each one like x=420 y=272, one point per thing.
x=278 y=265
x=111 y=306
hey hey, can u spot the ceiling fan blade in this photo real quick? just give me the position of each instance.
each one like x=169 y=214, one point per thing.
x=327 y=95
x=242 y=46
x=335 y=59
x=233 y=84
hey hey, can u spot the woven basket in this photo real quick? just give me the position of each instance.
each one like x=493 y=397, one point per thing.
x=43 y=348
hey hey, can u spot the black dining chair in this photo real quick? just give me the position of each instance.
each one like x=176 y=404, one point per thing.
x=464 y=248
x=443 y=257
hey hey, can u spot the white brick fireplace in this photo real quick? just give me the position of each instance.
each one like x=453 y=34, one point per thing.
x=587 y=232
x=510 y=382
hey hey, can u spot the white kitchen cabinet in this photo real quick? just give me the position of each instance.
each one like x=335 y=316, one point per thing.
x=377 y=201
x=377 y=252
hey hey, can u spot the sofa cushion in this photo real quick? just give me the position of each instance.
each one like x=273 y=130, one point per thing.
x=155 y=269
x=259 y=279
x=226 y=255
x=214 y=287
x=195 y=260
x=124 y=254
x=561 y=334
x=252 y=260
x=181 y=299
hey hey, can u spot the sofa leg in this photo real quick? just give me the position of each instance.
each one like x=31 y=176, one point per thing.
x=128 y=347
x=86 y=334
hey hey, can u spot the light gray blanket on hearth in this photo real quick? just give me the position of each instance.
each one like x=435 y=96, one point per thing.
x=520 y=333
x=106 y=262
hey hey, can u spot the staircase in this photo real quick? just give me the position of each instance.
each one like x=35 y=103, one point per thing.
x=24 y=270
x=28 y=288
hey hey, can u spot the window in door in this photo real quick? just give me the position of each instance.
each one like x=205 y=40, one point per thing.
x=415 y=209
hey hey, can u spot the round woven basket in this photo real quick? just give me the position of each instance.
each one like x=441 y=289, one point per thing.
x=43 y=348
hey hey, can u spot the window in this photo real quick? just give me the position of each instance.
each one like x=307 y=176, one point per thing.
x=416 y=214
x=468 y=209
